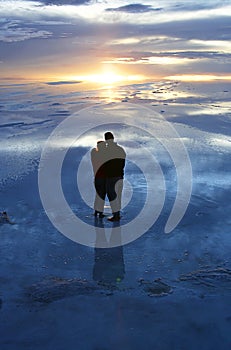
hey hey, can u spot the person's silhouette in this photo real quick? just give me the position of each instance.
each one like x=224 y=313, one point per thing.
x=98 y=155
x=114 y=167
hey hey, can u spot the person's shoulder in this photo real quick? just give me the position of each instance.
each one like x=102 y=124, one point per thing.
x=93 y=151
x=117 y=145
x=121 y=152
x=121 y=148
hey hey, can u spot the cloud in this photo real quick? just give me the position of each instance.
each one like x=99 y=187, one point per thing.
x=198 y=6
x=198 y=54
x=169 y=15
x=49 y=11
x=63 y=82
x=181 y=54
x=63 y=2
x=190 y=29
x=153 y=60
x=134 y=8
x=221 y=45
x=12 y=32
x=73 y=40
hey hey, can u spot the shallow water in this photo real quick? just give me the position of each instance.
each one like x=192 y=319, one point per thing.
x=173 y=290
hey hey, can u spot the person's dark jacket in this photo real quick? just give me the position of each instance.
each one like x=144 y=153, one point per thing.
x=114 y=166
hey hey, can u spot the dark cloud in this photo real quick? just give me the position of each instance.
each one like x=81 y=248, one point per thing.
x=134 y=8
x=139 y=55
x=68 y=82
x=64 y=2
x=198 y=54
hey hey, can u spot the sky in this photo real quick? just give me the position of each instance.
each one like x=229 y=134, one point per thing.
x=69 y=41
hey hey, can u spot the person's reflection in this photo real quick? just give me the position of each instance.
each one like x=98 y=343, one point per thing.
x=109 y=266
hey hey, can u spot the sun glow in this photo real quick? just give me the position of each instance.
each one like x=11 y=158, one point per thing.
x=107 y=78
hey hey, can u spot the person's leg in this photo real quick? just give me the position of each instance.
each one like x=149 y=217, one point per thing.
x=119 y=189
x=114 y=188
x=110 y=188
x=100 y=187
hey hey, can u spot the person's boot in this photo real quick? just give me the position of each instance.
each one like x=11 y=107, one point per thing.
x=101 y=214
x=115 y=217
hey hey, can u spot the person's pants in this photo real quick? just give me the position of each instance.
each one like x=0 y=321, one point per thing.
x=100 y=187
x=114 y=187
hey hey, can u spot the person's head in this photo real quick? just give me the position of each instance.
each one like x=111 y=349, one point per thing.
x=101 y=144
x=109 y=136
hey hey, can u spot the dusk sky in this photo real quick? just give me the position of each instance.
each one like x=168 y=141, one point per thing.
x=108 y=41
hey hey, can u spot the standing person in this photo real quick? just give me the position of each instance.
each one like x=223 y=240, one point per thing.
x=98 y=164
x=114 y=167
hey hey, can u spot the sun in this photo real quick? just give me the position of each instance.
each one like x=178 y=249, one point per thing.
x=106 y=78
